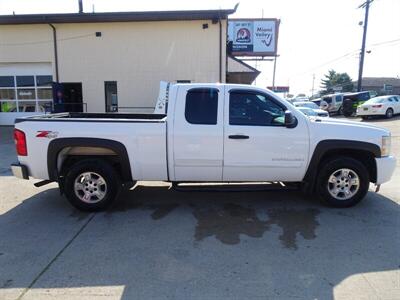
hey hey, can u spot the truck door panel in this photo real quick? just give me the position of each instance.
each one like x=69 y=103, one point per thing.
x=198 y=134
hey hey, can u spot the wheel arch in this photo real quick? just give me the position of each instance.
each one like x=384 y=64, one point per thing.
x=85 y=148
x=325 y=150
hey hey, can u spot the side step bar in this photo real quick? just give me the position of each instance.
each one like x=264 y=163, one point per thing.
x=233 y=187
x=42 y=183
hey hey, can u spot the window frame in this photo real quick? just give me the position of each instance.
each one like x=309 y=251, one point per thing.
x=255 y=92
x=200 y=89
x=34 y=87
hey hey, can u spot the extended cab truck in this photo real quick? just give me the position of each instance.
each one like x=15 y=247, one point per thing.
x=209 y=133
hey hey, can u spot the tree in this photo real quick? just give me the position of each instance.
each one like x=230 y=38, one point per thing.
x=334 y=81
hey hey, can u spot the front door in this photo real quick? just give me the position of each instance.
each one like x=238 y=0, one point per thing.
x=257 y=145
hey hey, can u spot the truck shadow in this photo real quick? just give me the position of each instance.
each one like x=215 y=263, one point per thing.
x=160 y=243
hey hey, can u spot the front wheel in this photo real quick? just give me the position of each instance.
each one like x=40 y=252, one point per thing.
x=91 y=185
x=342 y=182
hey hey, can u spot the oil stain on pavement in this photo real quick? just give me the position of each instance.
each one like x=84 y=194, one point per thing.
x=230 y=221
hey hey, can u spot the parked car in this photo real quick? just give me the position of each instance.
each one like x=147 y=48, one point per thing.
x=380 y=106
x=352 y=101
x=332 y=103
x=203 y=133
x=306 y=106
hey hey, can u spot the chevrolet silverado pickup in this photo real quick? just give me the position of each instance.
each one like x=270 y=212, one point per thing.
x=203 y=133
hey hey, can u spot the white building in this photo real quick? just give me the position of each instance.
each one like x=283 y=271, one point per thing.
x=109 y=61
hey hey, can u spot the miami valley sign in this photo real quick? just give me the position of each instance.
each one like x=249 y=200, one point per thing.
x=253 y=37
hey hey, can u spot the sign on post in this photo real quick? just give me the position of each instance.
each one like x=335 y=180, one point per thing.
x=253 y=37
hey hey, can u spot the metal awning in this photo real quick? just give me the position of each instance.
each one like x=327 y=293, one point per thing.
x=240 y=72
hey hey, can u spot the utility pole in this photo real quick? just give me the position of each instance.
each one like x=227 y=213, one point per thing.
x=273 y=75
x=362 y=53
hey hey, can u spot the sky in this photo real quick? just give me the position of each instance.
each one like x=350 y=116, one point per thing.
x=314 y=36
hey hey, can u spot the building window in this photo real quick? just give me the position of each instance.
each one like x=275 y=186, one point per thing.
x=183 y=81
x=202 y=106
x=7 y=81
x=44 y=80
x=26 y=93
x=25 y=81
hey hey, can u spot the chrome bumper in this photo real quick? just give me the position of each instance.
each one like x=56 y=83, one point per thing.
x=385 y=167
x=19 y=171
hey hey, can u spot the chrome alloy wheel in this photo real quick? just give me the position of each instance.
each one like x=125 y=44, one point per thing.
x=90 y=187
x=343 y=184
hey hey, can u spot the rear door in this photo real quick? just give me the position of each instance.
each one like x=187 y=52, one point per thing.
x=198 y=133
x=257 y=145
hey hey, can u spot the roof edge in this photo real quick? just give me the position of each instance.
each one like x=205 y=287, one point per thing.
x=129 y=16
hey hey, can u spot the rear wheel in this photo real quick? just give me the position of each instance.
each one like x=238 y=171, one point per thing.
x=389 y=113
x=365 y=117
x=342 y=182
x=91 y=185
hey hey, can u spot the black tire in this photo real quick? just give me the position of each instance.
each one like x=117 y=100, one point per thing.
x=365 y=117
x=93 y=166
x=389 y=113
x=328 y=168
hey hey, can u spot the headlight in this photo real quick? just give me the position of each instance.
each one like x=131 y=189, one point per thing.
x=386 y=144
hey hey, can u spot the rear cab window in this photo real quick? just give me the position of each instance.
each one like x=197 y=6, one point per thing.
x=201 y=106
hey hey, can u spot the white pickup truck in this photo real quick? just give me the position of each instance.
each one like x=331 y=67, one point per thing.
x=203 y=133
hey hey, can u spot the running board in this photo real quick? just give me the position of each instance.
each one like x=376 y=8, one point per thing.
x=234 y=187
x=42 y=183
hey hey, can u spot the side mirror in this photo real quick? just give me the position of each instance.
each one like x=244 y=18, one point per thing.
x=290 y=119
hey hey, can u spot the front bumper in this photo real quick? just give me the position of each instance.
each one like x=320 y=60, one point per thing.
x=19 y=171
x=385 y=167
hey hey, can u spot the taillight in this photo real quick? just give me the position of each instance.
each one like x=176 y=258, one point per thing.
x=377 y=106
x=20 y=142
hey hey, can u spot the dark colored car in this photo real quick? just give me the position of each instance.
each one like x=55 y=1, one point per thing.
x=352 y=101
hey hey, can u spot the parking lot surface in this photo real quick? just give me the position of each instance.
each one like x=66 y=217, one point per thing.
x=158 y=243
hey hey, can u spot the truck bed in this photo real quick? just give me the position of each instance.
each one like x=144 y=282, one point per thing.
x=96 y=117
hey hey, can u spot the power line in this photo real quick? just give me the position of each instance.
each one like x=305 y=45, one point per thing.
x=347 y=55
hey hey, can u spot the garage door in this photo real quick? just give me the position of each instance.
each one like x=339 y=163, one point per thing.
x=25 y=90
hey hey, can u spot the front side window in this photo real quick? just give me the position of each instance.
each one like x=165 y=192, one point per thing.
x=202 y=106
x=253 y=109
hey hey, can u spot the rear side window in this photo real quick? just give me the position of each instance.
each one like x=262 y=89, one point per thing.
x=338 y=98
x=202 y=106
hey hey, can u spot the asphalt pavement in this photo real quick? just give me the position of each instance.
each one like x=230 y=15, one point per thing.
x=158 y=243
